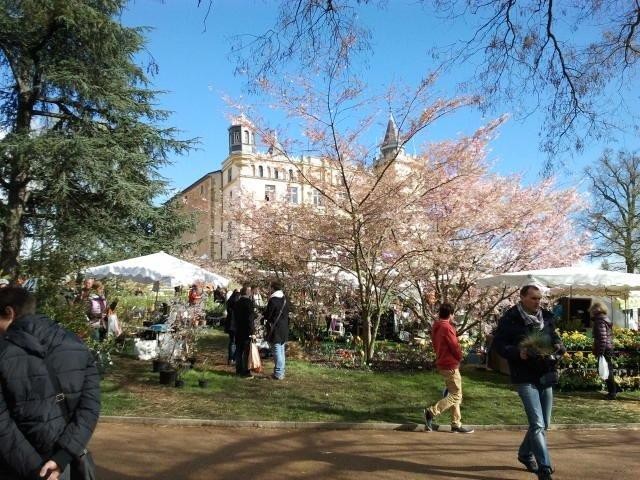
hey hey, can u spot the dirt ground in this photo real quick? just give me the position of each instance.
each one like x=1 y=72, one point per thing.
x=127 y=452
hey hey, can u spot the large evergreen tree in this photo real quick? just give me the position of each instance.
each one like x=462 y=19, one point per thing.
x=81 y=139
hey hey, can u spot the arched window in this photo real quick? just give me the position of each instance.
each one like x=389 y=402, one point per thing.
x=246 y=137
x=269 y=172
x=291 y=174
x=275 y=173
x=261 y=171
x=253 y=170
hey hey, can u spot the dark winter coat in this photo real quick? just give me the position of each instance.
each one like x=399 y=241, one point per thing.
x=510 y=332
x=274 y=306
x=602 y=335
x=32 y=426
x=243 y=313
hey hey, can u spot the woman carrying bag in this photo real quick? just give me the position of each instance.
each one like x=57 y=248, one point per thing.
x=603 y=343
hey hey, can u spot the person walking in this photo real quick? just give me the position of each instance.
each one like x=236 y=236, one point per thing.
x=448 y=358
x=230 y=327
x=533 y=373
x=243 y=314
x=50 y=396
x=277 y=323
x=603 y=342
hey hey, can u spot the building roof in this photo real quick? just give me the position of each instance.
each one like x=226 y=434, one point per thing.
x=391 y=135
x=198 y=181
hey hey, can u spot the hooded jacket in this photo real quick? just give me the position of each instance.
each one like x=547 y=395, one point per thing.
x=33 y=428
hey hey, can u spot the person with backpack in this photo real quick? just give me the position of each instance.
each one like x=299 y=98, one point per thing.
x=50 y=395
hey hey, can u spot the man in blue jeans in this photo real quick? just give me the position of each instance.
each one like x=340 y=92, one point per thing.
x=532 y=373
x=277 y=319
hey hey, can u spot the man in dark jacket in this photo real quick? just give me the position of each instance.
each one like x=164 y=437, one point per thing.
x=534 y=374
x=36 y=440
x=448 y=357
x=243 y=313
x=277 y=318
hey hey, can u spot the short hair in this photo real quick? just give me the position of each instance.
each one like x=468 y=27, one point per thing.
x=446 y=310
x=97 y=285
x=18 y=298
x=244 y=290
x=524 y=290
x=597 y=308
x=276 y=284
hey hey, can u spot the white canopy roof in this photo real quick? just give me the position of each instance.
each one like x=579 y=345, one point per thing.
x=161 y=267
x=574 y=280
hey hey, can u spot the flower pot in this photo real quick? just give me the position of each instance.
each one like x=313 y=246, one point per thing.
x=203 y=383
x=179 y=383
x=168 y=377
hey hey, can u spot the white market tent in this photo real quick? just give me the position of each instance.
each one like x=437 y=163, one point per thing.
x=158 y=267
x=570 y=280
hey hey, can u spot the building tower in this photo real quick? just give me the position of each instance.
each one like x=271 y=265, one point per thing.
x=241 y=136
x=391 y=145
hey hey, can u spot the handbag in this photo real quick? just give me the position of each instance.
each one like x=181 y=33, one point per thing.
x=82 y=467
x=272 y=331
x=254 y=363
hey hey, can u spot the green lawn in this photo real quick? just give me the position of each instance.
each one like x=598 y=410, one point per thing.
x=314 y=392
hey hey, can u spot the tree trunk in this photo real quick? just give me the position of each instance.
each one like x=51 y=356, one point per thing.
x=12 y=230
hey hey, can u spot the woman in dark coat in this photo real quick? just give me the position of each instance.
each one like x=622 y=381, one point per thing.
x=603 y=342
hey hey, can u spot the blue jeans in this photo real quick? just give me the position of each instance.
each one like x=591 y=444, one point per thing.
x=279 y=359
x=537 y=403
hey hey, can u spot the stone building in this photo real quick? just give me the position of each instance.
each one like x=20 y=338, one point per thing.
x=264 y=176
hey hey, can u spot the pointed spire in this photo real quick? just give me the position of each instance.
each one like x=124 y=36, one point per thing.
x=391 y=135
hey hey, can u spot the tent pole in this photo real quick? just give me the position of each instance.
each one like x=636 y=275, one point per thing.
x=569 y=303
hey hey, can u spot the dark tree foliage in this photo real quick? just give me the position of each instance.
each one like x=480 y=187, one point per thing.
x=82 y=140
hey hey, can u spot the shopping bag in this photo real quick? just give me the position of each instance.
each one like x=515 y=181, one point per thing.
x=603 y=368
x=254 y=363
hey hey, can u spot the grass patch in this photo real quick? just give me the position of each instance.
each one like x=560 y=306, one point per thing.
x=313 y=392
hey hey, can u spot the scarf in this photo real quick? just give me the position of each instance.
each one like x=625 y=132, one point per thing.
x=531 y=320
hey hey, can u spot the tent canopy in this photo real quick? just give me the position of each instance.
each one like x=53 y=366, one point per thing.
x=161 y=267
x=574 y=280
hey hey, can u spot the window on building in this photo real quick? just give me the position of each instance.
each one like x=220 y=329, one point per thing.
x=269 y=172
x=236 y=137
x=201 y=189
x=292 y=194
x=275 y=173
x=253 y=170
x=317 y=198
x=269 y=192
x=246 y=137
x=261 y=171
x=229 y=175
x=291 y=174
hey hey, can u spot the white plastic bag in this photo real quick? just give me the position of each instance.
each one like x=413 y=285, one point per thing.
x=603 y=368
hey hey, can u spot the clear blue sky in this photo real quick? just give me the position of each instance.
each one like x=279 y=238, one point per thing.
x=196 y=73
